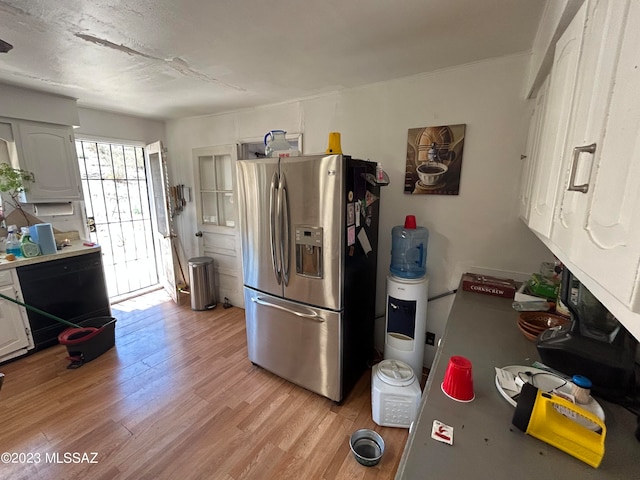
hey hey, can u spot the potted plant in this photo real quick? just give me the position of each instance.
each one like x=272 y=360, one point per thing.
x=12 y=182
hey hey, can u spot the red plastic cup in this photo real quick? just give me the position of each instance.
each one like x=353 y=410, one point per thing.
x=410 y=222
x=458 y=380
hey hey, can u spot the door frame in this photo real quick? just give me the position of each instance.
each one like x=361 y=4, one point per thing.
x=82 y=212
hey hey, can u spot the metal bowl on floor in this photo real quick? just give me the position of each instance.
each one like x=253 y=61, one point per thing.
x=367 y=447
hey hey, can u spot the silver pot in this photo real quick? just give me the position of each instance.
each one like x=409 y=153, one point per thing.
x=367 y=447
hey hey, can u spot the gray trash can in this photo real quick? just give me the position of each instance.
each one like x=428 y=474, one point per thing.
x=203 y=295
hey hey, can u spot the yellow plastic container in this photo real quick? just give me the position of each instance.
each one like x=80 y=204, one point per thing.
x=334 y=144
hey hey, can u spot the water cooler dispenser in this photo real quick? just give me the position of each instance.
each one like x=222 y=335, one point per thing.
x=406 y=321
x=407 y=292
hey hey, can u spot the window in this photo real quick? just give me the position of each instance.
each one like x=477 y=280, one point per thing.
x=216 y=172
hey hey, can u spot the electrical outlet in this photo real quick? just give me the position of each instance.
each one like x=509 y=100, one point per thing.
x=431 y=338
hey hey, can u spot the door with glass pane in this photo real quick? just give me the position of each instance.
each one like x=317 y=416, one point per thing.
x=163 y=221
x=217 y=216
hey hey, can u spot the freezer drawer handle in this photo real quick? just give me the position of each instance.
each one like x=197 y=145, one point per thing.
x=311 y=316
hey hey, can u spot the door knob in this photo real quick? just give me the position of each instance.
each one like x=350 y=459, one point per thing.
x=198 y=233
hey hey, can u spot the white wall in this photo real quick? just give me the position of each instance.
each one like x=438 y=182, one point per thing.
x=555 y=18
x=26 y=104
x=477 y=228
x=107 y=125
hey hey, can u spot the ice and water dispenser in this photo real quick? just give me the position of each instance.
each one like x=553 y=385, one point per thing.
x=407 y=291
x=309 y=251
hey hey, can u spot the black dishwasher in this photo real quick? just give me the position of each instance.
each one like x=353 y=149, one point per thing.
x=72 y=288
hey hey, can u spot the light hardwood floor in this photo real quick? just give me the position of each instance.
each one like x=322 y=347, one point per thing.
x=177 y=398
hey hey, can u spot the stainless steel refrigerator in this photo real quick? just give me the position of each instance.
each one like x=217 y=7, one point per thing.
x=309 y=230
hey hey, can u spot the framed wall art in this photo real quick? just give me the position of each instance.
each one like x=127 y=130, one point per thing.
x=434 y=160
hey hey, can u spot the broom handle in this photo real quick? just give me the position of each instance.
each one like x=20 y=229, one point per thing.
x=37 y=310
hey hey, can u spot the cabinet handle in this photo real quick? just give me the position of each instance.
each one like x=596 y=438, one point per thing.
x=584 y=188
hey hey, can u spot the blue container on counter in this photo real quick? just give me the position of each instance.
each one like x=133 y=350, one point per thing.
x=42 y=234
x=409 y=249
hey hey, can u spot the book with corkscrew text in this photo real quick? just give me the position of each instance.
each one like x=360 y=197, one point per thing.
x=499 y=287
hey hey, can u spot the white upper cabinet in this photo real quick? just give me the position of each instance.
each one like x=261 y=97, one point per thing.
x=583 y=152
x=606 y=229
x=585 y=200
x=532 y=154
x=547 y=178
x=48 y=152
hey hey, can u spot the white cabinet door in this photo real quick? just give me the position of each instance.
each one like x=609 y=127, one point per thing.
x=13 y=336
x=607 y=242
x=547 y=176
x=6 y=131
x=532 y=154
x=48 y=151
x=605 y=26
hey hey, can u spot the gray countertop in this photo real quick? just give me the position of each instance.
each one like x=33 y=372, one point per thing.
x=485 y=443
x=77 y=247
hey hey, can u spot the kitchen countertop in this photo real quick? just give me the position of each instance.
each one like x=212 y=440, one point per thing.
x=485 y=443
x=76 y=248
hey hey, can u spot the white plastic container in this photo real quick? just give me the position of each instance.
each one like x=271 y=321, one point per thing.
x=276 y=145
x=395 y=394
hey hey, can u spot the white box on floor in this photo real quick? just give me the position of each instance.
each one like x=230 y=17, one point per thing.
x=395 y=394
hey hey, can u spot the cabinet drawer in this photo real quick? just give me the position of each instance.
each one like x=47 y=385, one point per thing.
x=5 y=278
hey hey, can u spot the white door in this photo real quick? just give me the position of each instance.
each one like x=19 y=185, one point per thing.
x=162 y=217
x=217 y=218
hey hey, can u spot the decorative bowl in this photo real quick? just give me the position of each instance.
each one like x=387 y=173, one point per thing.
x=532 y=324
x=543 y=320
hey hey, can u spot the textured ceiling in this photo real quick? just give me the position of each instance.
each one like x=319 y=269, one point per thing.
x=170 y=59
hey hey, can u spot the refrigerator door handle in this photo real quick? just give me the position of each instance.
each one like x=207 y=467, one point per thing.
x=273 y=214
x=285 y=254
x=311 y=315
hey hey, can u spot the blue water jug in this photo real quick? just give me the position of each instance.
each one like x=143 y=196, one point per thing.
x=409 y=249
